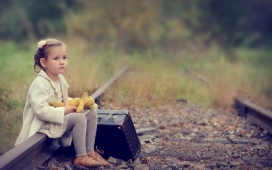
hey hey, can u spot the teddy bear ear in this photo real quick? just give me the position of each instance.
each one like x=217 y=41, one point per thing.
x=85 y=94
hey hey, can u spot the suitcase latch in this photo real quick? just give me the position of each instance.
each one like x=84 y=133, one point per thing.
x=111 y=116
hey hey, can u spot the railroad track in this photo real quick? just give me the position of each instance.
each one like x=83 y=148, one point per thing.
x=258 y=115
x=37 y=149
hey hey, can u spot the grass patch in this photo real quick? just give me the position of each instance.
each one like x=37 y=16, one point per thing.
x=208 y=79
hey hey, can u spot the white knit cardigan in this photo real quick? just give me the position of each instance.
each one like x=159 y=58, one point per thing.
x=38 y=116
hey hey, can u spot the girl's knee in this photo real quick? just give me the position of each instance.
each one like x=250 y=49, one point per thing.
x=80 y=118
x=91 y=114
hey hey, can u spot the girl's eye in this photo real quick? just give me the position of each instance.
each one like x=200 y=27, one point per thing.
x=64 y=57
x=56 y=58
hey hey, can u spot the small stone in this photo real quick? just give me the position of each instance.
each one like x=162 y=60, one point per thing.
x=220 y=158
x=231 y=137
x=123 y=166
x=171 y=160
x=137 y=161
x=202 y=123
x=185 y=164
x=233 y=164
x=230 y=153
x=252 y=148
x=112 y=166
x=185 y=132
x=262 y=135
x=161 y=127
x=239 y=130
x=199 y=167
x=265 y=131
x=199 y=154
x=196 y=140
x=156 y=140
x=236 y=156
x=141 y=167
x=263 y=152
x=142 y=130
x=178 y=135
x=207 y=155
x=187 y=156
x=67 y=167
x=151 y=148
x=219 y=164
x=212 y=165
x=269 y=155
x=41 y=167
x=112 y=160
x=248 y=135
x=261 y=147
x=254 y=133
x=194 y=129
x=173 y=124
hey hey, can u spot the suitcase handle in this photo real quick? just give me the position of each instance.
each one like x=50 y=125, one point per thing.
x=111 y=116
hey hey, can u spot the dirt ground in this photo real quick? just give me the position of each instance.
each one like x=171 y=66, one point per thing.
x=189 y=137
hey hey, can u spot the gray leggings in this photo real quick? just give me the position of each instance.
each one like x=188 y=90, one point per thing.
x=83 y=130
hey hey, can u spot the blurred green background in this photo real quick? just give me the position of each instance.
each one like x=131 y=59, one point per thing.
x=201 y=52
x=141 y=23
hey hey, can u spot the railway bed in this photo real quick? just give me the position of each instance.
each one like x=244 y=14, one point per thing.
x=190 y=137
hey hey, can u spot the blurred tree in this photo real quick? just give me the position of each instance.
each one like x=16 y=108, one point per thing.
x=244 y=22
x=32 y=19
x=130 y=23
x=141 y=23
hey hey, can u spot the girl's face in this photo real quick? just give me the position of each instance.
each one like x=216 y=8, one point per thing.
x=56 y=62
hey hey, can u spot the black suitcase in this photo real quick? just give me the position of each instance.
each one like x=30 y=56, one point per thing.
x=116 y=135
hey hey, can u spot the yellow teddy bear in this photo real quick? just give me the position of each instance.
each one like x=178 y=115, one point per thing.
x=85 y=102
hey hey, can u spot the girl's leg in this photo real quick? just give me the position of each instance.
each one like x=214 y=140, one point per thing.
x=91 y=133
x=91 y=129
x=77 y=124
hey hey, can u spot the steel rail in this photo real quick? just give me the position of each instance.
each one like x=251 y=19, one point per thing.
x=37 y=149
x=258 y=115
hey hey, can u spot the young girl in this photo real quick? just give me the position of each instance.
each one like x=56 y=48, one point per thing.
x=38 y=116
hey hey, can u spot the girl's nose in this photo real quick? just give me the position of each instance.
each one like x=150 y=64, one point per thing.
x=62 y=61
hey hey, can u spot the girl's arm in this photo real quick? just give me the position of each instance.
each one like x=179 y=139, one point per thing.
x=39 y=95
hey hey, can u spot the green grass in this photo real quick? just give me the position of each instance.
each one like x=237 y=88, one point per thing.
x=206 y=78
x=157 y=78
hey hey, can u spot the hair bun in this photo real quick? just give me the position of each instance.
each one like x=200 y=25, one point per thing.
x=41 y=44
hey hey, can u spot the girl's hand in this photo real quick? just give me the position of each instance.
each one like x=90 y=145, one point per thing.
x=69 y=109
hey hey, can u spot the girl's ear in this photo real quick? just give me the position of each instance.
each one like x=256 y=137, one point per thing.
x=43 y=62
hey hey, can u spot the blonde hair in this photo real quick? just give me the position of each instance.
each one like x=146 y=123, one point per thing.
x=44 y=46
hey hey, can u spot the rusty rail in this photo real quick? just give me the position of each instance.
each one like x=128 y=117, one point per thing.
x=37 y=149
x=258 y=115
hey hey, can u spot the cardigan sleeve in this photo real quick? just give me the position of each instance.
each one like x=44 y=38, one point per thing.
x=39 y=95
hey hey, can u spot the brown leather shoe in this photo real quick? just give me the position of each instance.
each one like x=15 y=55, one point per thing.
x=86 y=160
x=95 y=155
